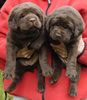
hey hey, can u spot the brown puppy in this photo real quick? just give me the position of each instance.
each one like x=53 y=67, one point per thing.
x=65 y=26
x=24 y=40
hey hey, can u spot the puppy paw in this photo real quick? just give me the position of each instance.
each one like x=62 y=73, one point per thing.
x=71 y=74
x=73 y=91
x=41 y=88
x=8 y=90
x=8 y=74
x=48 y=72
x=55 y=77
x=36 y=46
x=41 y=85
x=53 y=80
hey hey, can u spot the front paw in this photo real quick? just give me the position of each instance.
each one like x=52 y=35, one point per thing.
x=8 y=74
x=55 y=76
x=35 y=46
x=9 y=89
x=48 y=72
x=72 y=74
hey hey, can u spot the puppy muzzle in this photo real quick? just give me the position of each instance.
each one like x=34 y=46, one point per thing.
x=29 y=22
x=55 y=35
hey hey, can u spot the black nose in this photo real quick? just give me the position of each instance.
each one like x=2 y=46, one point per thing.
x=32 y=19
x=58 y=35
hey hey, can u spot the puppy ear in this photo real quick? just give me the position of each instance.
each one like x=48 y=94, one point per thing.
x=79 y=29
x=47 y=23
x=12 y=20
x=41 y=15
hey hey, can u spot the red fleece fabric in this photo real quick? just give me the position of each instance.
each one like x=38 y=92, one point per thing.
x=28 y=86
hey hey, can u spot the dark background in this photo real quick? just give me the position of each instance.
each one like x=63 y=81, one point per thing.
x=2 y=2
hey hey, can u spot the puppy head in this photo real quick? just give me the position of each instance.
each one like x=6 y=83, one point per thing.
x=25 y=16
x=64 y=24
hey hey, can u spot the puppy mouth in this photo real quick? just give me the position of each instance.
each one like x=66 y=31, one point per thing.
x=55 y=36
x=32 y=28
x=36 y=25
x=56 y=42
x=58 y=35
x=35 y=22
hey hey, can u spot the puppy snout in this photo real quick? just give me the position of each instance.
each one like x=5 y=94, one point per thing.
x=58 y=35
x=32 y=20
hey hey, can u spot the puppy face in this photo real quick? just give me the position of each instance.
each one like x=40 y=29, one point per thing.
x=64 y=24
x=26 y=17
x=61 y=29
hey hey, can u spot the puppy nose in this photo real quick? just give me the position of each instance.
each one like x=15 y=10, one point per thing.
x=58 y=35
x=32 y=20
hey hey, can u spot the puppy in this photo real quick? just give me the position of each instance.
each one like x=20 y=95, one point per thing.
x=24 y=40
x=65 y=26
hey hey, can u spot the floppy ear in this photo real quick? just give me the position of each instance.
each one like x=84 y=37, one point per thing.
x=79 y=25
x=40 y=14
x=47 y=23
x=12 y=21
x=79 y=29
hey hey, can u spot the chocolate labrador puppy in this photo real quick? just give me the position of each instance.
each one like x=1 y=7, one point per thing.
x=65 y=26
x=24 y=40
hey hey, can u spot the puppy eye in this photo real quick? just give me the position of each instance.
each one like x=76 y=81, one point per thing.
x=37 y=15
x=69 y=28
x=22 y=16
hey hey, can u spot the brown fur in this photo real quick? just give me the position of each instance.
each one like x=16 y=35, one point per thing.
x=65 y=25
x=25 y=23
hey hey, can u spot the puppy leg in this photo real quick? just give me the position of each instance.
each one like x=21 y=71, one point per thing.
x=57 y=67
x=13 y=84
x=18 y=76
x=43 y=59
x=73 y=83
x=10 y=61
x=72 y=60
x=41 y=80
